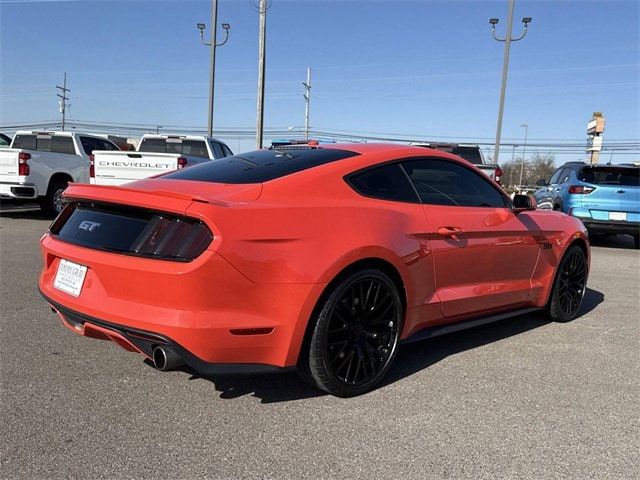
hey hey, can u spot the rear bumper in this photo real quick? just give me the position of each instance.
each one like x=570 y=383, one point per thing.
x=207 y=310
x=142 y=341
x=596 y=221
x=602 y=226
x=25 y=191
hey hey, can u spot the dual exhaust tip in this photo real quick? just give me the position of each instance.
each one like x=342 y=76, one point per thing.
x=165 y=358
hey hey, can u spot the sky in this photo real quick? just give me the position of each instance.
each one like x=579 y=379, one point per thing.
x=427 y=69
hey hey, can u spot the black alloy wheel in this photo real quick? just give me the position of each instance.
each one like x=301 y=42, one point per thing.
x=569 y=286
x=356 y=334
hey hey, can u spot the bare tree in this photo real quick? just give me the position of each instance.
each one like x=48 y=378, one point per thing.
x=536 y=167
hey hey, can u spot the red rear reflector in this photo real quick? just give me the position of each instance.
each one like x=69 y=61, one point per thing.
x=580 y=190
x=92 y=166
x=182 y=162
x=251 y=331
x=23 y=166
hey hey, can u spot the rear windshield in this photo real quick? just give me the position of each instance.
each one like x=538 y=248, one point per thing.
x=193 y=148
x=629 y=177
x=45 y=143
x=259 y=166
x=470 y=153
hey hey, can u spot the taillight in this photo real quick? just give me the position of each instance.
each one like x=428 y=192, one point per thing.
x=173 y=238
x=497 y=175
x=182 y=162
x=580 y=189
x=92 y=166
x=23 y=166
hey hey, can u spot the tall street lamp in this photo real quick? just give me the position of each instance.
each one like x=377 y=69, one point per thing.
x=505 y=66
x=212 y=59
x=524 y=149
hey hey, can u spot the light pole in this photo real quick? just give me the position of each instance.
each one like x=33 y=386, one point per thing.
x=505 y=66
x=524 y=149
x=212 y=59
x=262 y=52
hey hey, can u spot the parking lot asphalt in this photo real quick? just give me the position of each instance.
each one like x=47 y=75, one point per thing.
x=523 y=398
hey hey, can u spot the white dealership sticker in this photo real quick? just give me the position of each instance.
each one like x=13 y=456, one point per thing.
x=618 y=216
x=70 y=277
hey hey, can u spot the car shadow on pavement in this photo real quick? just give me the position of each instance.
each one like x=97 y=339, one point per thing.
x=412 y=358
x=20 y=212
x=624 y=242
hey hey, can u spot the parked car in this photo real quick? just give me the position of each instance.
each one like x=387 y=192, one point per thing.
x=322 y=258
x=39 y=165
x=156 y=154
x=471 y=153
x=605 y=197
x=5 y=140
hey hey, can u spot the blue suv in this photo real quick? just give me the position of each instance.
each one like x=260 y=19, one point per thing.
x=605 y=197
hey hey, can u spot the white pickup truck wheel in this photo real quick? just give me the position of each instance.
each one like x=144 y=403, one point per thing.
x=52 y=204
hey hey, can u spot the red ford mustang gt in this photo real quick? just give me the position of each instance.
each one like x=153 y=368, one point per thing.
x=320 y=258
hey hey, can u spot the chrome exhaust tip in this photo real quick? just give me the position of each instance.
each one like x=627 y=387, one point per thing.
x=165 y=358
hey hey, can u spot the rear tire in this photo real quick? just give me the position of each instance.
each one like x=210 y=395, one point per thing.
x=636 y=240
x=51 y=204
x=355 y=335
x=569 y=286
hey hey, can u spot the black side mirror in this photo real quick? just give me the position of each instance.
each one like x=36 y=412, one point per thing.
x=542 y=183
x=522 y=203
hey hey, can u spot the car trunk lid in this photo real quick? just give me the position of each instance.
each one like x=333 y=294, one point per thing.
x=615 y=193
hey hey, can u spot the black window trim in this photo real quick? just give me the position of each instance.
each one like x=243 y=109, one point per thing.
x=400 y=161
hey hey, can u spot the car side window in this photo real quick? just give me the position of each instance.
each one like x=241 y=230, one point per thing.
x=556 y=175
x=387 y=182
x=227 y=150
x=444 y=182
x=107 y=145
x=88 y=145
x=217 y=150
x=564 y=175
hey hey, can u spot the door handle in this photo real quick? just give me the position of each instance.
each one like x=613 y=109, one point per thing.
x=452 y=232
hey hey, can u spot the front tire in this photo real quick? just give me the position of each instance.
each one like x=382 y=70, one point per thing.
x=636 y=240
x=356 y=334
x=569 y=286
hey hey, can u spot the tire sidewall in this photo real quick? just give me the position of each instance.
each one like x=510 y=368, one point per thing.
x=48 y=203
x=553 y=308
x=317 y=362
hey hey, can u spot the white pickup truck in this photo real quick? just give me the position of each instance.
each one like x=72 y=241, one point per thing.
x=471 y=153
x=39 y=165
x=156 y=154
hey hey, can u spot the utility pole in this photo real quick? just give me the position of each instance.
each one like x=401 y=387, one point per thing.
x=261 y=68
x=524 y=149
x=63 y=99
x=212 y=57
x=505 y=66
x=307 y=100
